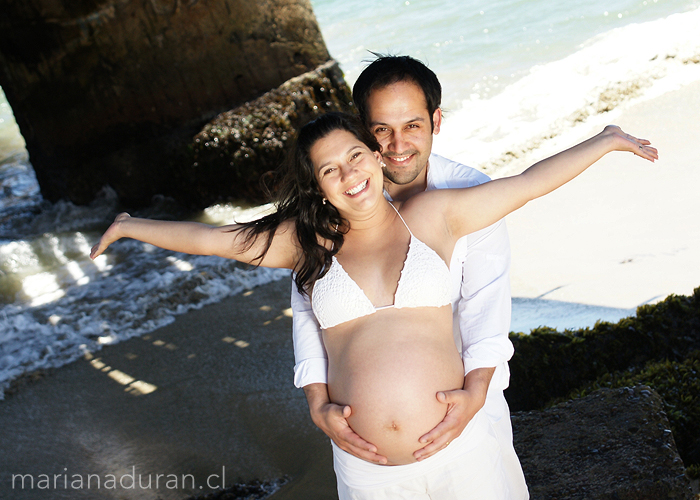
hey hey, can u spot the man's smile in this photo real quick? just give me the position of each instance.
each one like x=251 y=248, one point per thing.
x=399 y=159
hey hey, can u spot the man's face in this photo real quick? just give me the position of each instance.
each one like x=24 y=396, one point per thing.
x=399 y=119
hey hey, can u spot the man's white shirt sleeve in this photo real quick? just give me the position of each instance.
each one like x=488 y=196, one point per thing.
x=309 y=353
x=480 y=268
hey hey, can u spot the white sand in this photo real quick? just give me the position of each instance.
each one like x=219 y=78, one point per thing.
x=625 y=233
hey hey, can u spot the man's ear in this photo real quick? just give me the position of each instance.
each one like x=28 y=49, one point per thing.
x=437 y=121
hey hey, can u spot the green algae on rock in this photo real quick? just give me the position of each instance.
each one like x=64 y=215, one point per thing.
x=235 y=150
x=659 y=347
x=548 y=364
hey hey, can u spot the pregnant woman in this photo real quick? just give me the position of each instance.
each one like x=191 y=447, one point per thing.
x=379 y=285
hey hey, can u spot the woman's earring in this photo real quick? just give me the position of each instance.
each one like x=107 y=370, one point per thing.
x=324 y=201
x=381 y=162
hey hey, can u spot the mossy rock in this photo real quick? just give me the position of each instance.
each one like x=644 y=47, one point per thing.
x=550 y=364
x=232 y=153
x=659 y=347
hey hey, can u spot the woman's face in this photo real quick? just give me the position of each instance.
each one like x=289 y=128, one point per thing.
x=348 y=172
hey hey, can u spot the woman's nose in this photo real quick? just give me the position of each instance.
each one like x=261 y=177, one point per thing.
x=348 y=171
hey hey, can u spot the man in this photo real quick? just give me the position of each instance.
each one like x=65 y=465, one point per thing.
x=398 y=98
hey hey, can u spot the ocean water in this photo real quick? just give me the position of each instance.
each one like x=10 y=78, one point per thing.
x=517 y=75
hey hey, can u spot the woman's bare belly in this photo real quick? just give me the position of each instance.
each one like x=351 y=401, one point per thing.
x=389 y=367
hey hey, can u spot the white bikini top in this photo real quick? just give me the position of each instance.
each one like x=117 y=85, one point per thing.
x=424 y=282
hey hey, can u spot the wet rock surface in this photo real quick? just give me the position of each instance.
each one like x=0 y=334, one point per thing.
x=235 y=150
x=612 y=444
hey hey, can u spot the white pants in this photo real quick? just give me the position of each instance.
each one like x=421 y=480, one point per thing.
x=470 y=468
x=496 y=408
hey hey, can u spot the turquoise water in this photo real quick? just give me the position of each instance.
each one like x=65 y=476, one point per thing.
x=475 y=47
x=516 y=73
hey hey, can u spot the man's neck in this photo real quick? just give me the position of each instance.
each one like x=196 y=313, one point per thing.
x=402 y=192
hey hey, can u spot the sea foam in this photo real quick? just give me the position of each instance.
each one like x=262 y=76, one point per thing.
x=608 y=73
x=65 y=304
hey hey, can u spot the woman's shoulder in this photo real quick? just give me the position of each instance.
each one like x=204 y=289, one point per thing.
x=425 y=200
x=424 y=214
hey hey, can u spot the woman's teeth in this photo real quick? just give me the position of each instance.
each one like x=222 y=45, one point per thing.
x=357 y=188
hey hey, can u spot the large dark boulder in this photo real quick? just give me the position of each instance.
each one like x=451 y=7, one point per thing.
x=109 y=91
x=615 y=444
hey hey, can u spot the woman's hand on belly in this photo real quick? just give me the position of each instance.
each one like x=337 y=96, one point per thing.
x=396 y=424
x=393 y=398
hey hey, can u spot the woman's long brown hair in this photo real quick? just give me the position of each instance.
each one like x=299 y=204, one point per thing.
x=298 y=198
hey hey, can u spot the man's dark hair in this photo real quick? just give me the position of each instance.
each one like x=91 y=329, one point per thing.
x=386 y=70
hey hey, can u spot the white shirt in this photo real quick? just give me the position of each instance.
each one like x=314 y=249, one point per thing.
x=480 y=294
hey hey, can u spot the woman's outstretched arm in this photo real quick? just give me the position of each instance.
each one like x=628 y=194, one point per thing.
x=201 y=239
x=470 y=209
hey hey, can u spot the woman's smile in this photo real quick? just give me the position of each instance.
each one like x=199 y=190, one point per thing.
x=362 y=186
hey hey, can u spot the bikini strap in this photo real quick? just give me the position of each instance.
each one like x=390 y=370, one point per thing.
x=404 y=222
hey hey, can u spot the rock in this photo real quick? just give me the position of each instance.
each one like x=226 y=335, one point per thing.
x=678 y=384
x=659 y=347
x=548 y=364
x=615 y=444
x=109 y=91
x=233 y=151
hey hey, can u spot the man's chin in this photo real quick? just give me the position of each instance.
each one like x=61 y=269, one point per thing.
x=403 y=173
x=400 y=178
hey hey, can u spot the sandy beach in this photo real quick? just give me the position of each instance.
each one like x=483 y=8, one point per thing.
x=624 y=233
x=213 y=392
x=222 y=403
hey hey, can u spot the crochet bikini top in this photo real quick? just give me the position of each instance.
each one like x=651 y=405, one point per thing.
x=424 y=282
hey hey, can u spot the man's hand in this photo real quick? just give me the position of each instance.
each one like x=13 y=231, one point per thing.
x=332 y=419
x=462 y=405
